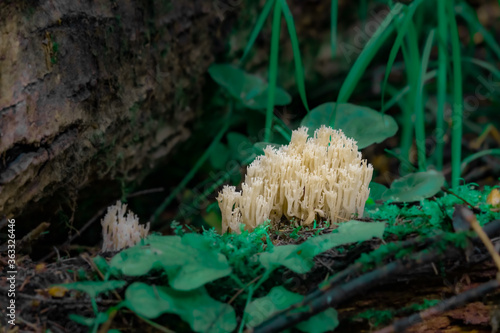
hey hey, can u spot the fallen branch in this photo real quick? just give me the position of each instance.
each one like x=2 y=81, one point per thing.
x=332 y=297
x=451 y=303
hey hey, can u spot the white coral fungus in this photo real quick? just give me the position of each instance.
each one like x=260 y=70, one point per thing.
x=324 y=176
x=119 y=231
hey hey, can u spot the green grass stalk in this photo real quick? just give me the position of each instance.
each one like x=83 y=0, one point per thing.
x=441 y=81
x=273 y=70
x=203 y=158
x=419 y=104
x=299 y=70
x=333 y=27
x=257 y=29
x=456 y=137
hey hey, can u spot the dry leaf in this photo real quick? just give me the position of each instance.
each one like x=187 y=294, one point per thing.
x=494 y=198
x=57 y=291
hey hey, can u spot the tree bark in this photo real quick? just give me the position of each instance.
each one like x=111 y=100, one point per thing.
x=96 y=90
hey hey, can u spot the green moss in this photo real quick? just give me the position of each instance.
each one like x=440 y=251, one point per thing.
x=383 y=317
x=433 y=214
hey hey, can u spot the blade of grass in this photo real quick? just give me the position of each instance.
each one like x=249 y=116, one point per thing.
x=194 y=170
x=483 y=64
x=333 y=27
x=398 y=95
x=411 y=56
x=469 y=15
x=456 y=137
x=419 y=104
x=257 y=29
x=369 y=51
x=283 y=132
x=441 y=81
x=402 y=30
x=299 y=71
x=273 y=70
x=363 y=12
x=477 y=155
x=403 y=160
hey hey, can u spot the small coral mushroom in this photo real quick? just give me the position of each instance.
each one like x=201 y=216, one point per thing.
x=119 y=231
x=323 y=175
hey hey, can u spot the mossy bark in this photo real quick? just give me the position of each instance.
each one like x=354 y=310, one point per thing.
x=93 y=91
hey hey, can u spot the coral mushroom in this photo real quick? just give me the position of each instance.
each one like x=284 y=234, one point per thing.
x=119 y=231
x=324 y=176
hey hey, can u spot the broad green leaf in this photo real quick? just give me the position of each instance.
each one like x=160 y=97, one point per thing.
x=377 y=191
x=299 y=258
x=101 y=264
x=280 y=299
x=189 y=262
x=240 y=146
x=196 y=307
x=251 y=90
x=415 y=186
x=363 y=124
x=94 y=288
x=219 y=156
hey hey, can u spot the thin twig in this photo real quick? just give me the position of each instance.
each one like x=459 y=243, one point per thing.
x=444 y=189
x=91 y=263
x=243 y=289
x=456 y=301
x=155 y=325
x=143 y=192
x=471 y=218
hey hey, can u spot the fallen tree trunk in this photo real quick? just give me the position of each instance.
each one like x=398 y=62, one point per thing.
x=93 y=91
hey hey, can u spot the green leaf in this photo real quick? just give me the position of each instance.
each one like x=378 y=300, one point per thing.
x=352 y=120
x=299 y=258
x=415 y=186
x=94 y=288
x=240 y=146
x=219 y=156
x=280 y=299
x=251 y=90
x=377 y=191
x=101 y=264
x=189 y=262
x=196 y=307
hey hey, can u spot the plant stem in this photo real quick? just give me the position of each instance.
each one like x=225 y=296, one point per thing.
x=477 y=155
x=195 y=168
x=273 y=70
x=441 y=82
x=456 y=137
x=333 y=27
x=419 y=104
